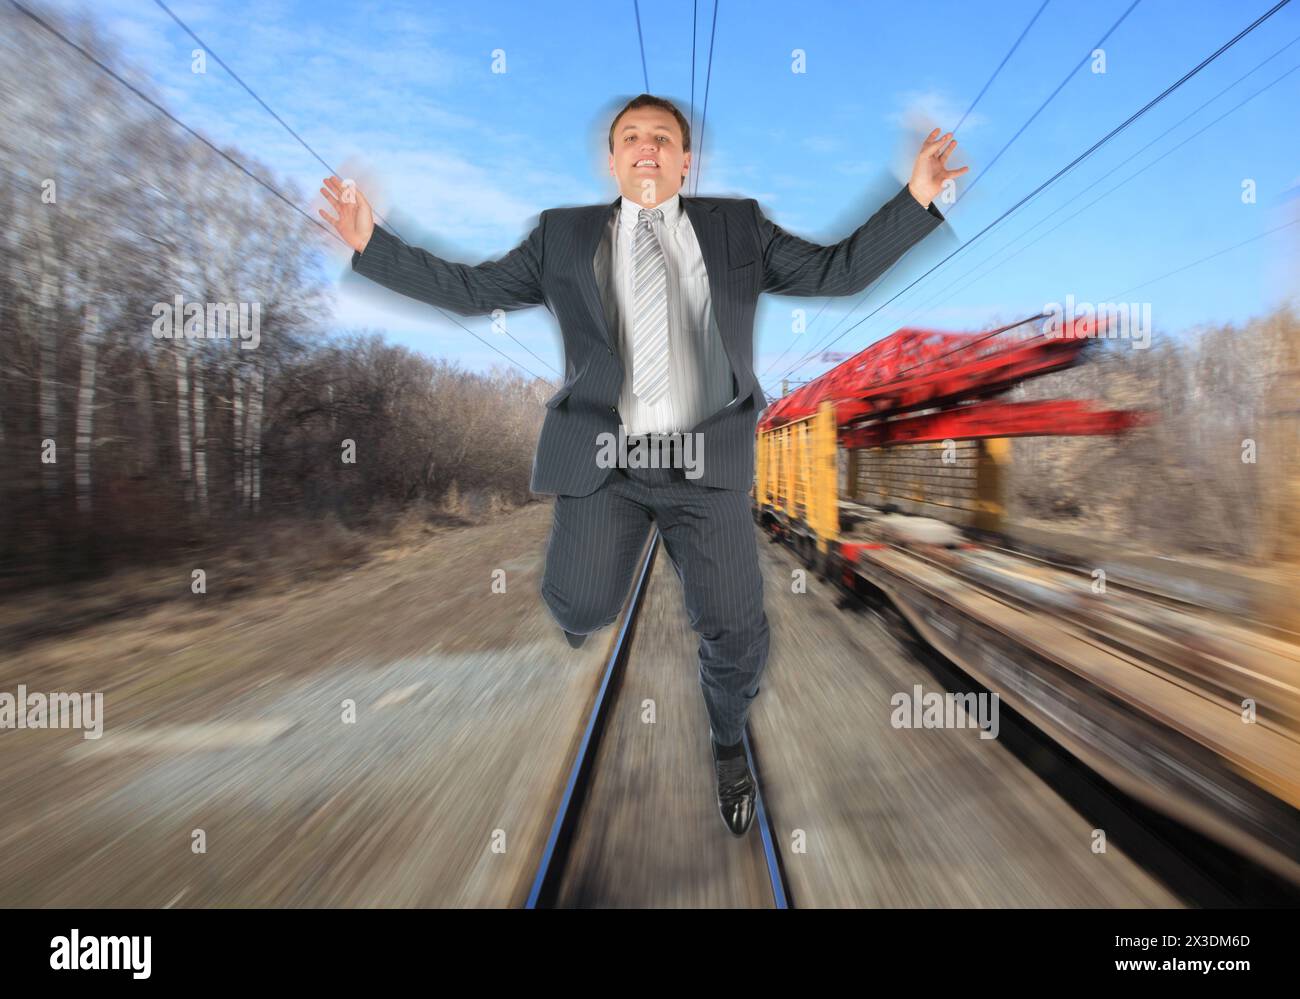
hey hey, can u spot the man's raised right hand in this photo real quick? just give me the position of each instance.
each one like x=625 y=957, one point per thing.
x=355 y=222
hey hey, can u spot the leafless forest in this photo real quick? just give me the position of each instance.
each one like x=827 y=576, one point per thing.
x=118 y=447
x=1209 y=474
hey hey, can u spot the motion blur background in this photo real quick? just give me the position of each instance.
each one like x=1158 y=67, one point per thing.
x=137 y=168
x=163 y=445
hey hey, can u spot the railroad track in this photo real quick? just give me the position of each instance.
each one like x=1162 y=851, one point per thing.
x=557 y=881
x=1174 y=782
x=1219 y=827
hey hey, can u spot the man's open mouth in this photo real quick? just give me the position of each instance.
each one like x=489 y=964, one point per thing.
x=646 y=163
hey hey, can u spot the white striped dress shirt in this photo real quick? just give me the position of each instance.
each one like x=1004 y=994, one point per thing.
x=699 y=375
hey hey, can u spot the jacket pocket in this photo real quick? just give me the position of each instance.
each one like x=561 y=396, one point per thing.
x=559 y=397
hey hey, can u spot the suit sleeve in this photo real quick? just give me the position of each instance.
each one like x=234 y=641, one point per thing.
x=795 y=266
x=513 y=282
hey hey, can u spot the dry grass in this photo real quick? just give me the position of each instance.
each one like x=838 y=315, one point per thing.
x=269 y=557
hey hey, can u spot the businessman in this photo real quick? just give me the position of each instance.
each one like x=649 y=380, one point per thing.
x=655 y=295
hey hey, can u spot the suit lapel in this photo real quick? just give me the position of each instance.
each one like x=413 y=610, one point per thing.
x=710 y=231
x=590 y=230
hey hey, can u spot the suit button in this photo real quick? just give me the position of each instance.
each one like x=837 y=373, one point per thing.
x=609 y=350
x=613 y=409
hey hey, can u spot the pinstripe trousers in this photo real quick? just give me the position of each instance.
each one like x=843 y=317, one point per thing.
x=708 y=533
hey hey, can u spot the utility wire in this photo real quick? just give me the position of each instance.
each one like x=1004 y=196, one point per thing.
x=695 y=17
x=1068 y=167
x=252 y=93
x=158 y=107
x=221 y=62
x=645 y=73
x=1109 y=298
x=1000 y=65
x=988 y=83
x=226 y=156
x=705 y=113
x=1168 y=152
x=1050 y=97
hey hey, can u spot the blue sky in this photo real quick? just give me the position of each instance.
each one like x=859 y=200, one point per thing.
x=402 y=97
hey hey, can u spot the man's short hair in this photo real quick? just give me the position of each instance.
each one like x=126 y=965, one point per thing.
x=650 y=101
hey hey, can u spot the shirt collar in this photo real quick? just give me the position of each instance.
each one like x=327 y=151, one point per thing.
x=672 y=208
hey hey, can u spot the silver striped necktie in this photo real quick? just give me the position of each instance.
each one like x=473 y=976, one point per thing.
x=649 y=311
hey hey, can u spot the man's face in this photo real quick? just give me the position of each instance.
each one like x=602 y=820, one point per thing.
x=647 y=160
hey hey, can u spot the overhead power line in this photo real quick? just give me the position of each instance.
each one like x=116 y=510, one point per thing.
x=645 y=73
x=252 y=93
x=1006 y=57
x=1062 y=172
x=243 y=169
x=1169 y=151
x=704 y=115
x=1015 y=45
x=301 y=141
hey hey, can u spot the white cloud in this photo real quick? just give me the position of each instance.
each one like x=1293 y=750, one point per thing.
x=822 y=143
x=922 y=110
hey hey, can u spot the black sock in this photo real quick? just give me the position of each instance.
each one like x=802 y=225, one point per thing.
x=729 y=752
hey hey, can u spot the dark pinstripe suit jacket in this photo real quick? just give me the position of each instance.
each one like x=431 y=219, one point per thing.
x=744 y=254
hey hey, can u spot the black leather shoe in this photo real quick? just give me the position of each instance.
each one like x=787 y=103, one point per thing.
x=737 y=790
x=574 y=640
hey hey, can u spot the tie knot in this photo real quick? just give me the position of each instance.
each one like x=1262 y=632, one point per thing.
x=650 y=214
